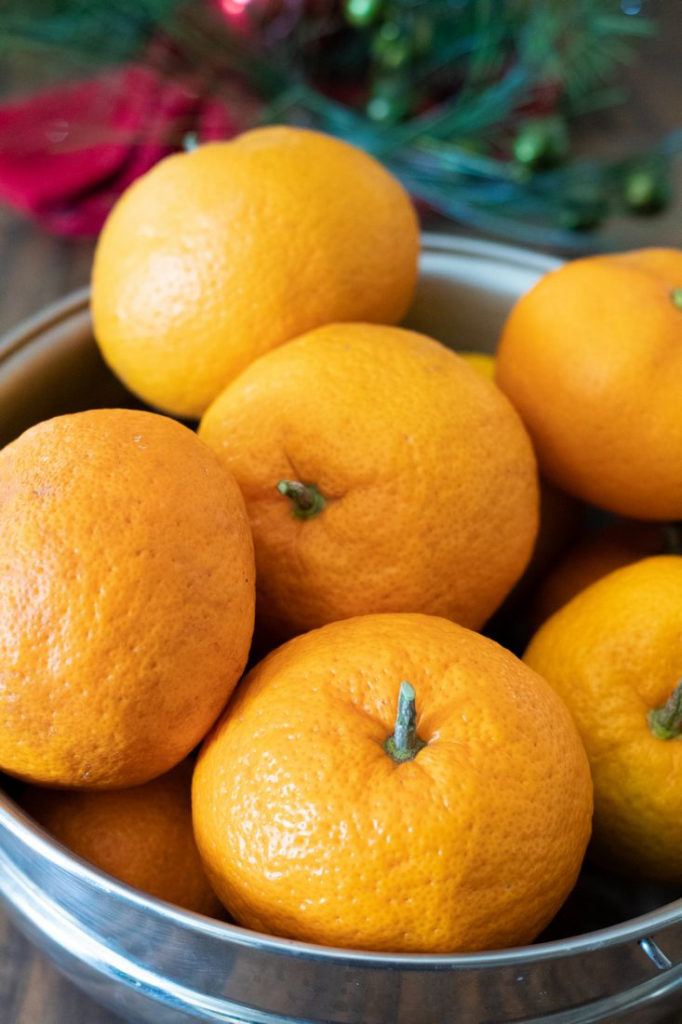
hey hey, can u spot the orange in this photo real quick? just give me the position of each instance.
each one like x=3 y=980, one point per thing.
x=127 y=598
x=513 y=623
x=309 y=827
x=484 y=362
x=599 y=553
x=559 y=513
x=614 y=654
x=142 y=835
x=421 y=478
x=591 y=358
x=218 y=255
x=560 y=517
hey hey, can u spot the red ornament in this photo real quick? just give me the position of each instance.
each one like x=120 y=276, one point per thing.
x=68 y=153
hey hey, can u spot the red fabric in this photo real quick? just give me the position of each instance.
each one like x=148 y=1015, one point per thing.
x=66 y=154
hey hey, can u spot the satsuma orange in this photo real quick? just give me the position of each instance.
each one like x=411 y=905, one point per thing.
x=461 y=828
x=559 y=516
x=127 y=598
x=217 y=255
x=614 y=654
x=484 y=362
x=591 y=358
x=381 y=473
x=143 y=835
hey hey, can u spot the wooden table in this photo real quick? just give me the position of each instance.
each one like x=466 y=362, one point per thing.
x=36 y=269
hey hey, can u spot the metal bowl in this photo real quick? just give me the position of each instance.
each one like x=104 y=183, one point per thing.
x=613 y=953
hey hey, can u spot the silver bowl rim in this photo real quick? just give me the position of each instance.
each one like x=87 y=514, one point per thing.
x=432 y=243
x=14 y=820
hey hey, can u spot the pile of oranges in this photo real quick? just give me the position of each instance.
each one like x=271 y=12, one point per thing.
x=246 y=653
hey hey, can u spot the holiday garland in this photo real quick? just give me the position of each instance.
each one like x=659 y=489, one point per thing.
x=470 y=102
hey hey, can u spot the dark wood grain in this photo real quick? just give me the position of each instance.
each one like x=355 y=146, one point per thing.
x=35 y=269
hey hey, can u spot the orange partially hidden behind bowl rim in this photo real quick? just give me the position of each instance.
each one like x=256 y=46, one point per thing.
x=142 y=835
x=218 y=255
x=591 y=358
x=380 y=473
x=324 y=814
x=127 y=602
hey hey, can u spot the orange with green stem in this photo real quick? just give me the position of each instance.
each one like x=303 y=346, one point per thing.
x=665 y=722
x=457 y=822
x=380 y=473
x=614 y=654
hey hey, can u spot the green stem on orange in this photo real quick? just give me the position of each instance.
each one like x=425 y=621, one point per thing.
x=404 y=744
x=306 y=500
x=666 y=722
x=676 y=297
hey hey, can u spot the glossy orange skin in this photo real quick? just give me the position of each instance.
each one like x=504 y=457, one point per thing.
x=591 y=358
x=429 y=477
x=127 y=602
x=218 y=255
x=614 y=653
x=142 y=836
x=309 y=829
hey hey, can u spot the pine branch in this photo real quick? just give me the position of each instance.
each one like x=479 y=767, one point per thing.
x=485 y=64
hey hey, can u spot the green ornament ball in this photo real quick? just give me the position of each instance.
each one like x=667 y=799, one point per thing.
x=392 y=47
x=362 y=13
x=646 y=190
x=390 y=100
x=583 y=209
x=541 y=142
x=422 y=36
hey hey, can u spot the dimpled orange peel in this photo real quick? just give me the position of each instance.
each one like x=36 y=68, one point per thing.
x=591 y=358
x=127 y=601
x=393 y=782
x=216 y=256
x=614 y=654
x=142 y=835
x=380 y=473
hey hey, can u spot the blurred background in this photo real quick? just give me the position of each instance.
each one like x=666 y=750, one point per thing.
x=555 y=124
x=551 y=123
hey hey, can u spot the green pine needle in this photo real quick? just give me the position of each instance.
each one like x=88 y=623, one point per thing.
x=485 y=63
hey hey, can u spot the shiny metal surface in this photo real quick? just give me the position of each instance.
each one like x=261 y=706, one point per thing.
x=614 y=953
